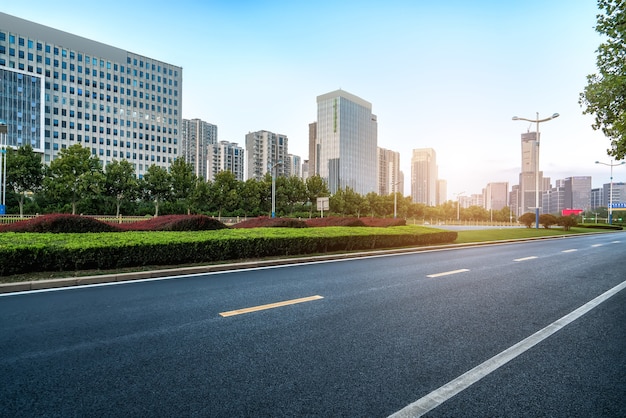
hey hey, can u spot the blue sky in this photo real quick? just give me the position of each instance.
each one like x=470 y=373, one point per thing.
x=447 y=75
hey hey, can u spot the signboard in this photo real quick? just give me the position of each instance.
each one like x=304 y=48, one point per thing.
x=618 y=205
x=323 y=204
x=3 y=210
x=569 y=212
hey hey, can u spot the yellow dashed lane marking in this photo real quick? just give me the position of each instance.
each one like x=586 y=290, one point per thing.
x=270 y=306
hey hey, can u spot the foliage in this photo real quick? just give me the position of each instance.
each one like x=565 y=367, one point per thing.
x=59 y=223
x=334 y=221
x=157 y=185
x=383 y=222
x=46 y=252
x=266 y=222
x=547 y=220
x=527 y=219
x=75 y=174
x=183 y=182
x=567 y=222
x=175 y=223
x=605 y=93
x=24 y=172
x=120 y=182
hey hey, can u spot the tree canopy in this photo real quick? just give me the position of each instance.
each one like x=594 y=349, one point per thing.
x=605 y=93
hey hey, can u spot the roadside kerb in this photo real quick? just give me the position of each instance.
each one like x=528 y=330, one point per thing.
x=182 y=271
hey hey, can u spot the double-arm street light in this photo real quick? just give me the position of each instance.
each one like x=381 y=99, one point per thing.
x=611 y=188
x=274 y=188
x=537 y=121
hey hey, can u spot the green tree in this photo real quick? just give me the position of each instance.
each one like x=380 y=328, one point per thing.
x=157 y=186
x=547 y=220
x=250 y=195
x=567 y=222
x=224 y=196
x=315 y=187
x=605 y=93
x=120 y=182
x=527 y=219
x=374 y=203
x=295 y=192
x=75 y=174
x=200 y=195
x=183 y=182
x=25 y=172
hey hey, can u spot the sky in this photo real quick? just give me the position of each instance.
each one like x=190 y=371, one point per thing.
x=446 y=75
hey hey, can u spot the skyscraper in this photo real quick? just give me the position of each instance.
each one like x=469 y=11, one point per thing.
x=389 y=178
x=578 y=192
x=265 y=150
x=197 y=137
x=527 y=181
x=424 y=176
x=496 y=196
x=346 y=142
x=119 y=104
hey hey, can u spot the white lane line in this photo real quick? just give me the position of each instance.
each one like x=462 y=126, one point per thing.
x=445 y=392
x=573 y=250
x=596 y=245
x=526 y=258
x=615 y=242
x=446 y=273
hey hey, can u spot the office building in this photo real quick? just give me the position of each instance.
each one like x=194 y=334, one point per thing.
x=496 y=196
x=577 y=192
x=424 y=176
x=225 y=156
x=118 y=104
x=442 y=191
x=266 y=151
x=293 y=166
x=313 y=167
x=196 y=139
x=345 y=143
x=389 y=179
x=619 y=193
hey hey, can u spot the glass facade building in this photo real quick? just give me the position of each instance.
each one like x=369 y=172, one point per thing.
x=119 y=104
x=346 y=142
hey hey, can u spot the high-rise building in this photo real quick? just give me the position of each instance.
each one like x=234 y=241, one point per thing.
x=442 y=191
x=264 y=151
x=496 y=196
x=389 y=180
x=346 y=142
x=119 y=104
x=527 y=179
x=553 y=200
x=578 y=192
x=293 y=166
x=225 y=156
x=619 y=193
x=313 y=167
x=197 y=136
x=596 y=198
x=424 y=176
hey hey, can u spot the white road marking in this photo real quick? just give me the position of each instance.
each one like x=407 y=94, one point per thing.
x=569 y=251
x=445 y=392
x=597 y=245
x=526 y=258
x=446 y=273
x=270 y=306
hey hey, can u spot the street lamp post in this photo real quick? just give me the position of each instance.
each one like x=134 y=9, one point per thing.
x=274 y=188
x=458 y=206
x=395 y=199
x=611 y=187
x=3 y=164
x=537 y=121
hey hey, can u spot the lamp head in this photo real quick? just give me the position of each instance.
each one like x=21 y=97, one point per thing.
x=515 y=118
x=555 y=115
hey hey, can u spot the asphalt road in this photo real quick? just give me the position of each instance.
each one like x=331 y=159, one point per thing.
x=375 y=335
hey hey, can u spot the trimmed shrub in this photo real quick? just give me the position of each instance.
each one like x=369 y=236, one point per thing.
x=175 y=223
x=60 y=223
x=384 y=222
x=266 y=222
x=334 y=221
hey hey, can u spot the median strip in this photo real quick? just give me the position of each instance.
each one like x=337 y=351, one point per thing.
x=447 y=273
x=526 y=258
x=270 y=306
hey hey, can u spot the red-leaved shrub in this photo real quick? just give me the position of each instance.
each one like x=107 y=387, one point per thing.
x=59 y=223
x=266 y=222
x=334 y=221
x=175 y=223
x=383 y=222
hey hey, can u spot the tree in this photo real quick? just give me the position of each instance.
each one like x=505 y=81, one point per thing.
x=224 y=192
x=183 y=182
x=25 y=172
x=527 y=219
x=157 y=185
x=567 y=222
x=547 y=220
x=315 y=187
x=120 y=182
x=75 y=174
x=605 y=93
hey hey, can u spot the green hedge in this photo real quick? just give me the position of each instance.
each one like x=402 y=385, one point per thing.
x=23 y=253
